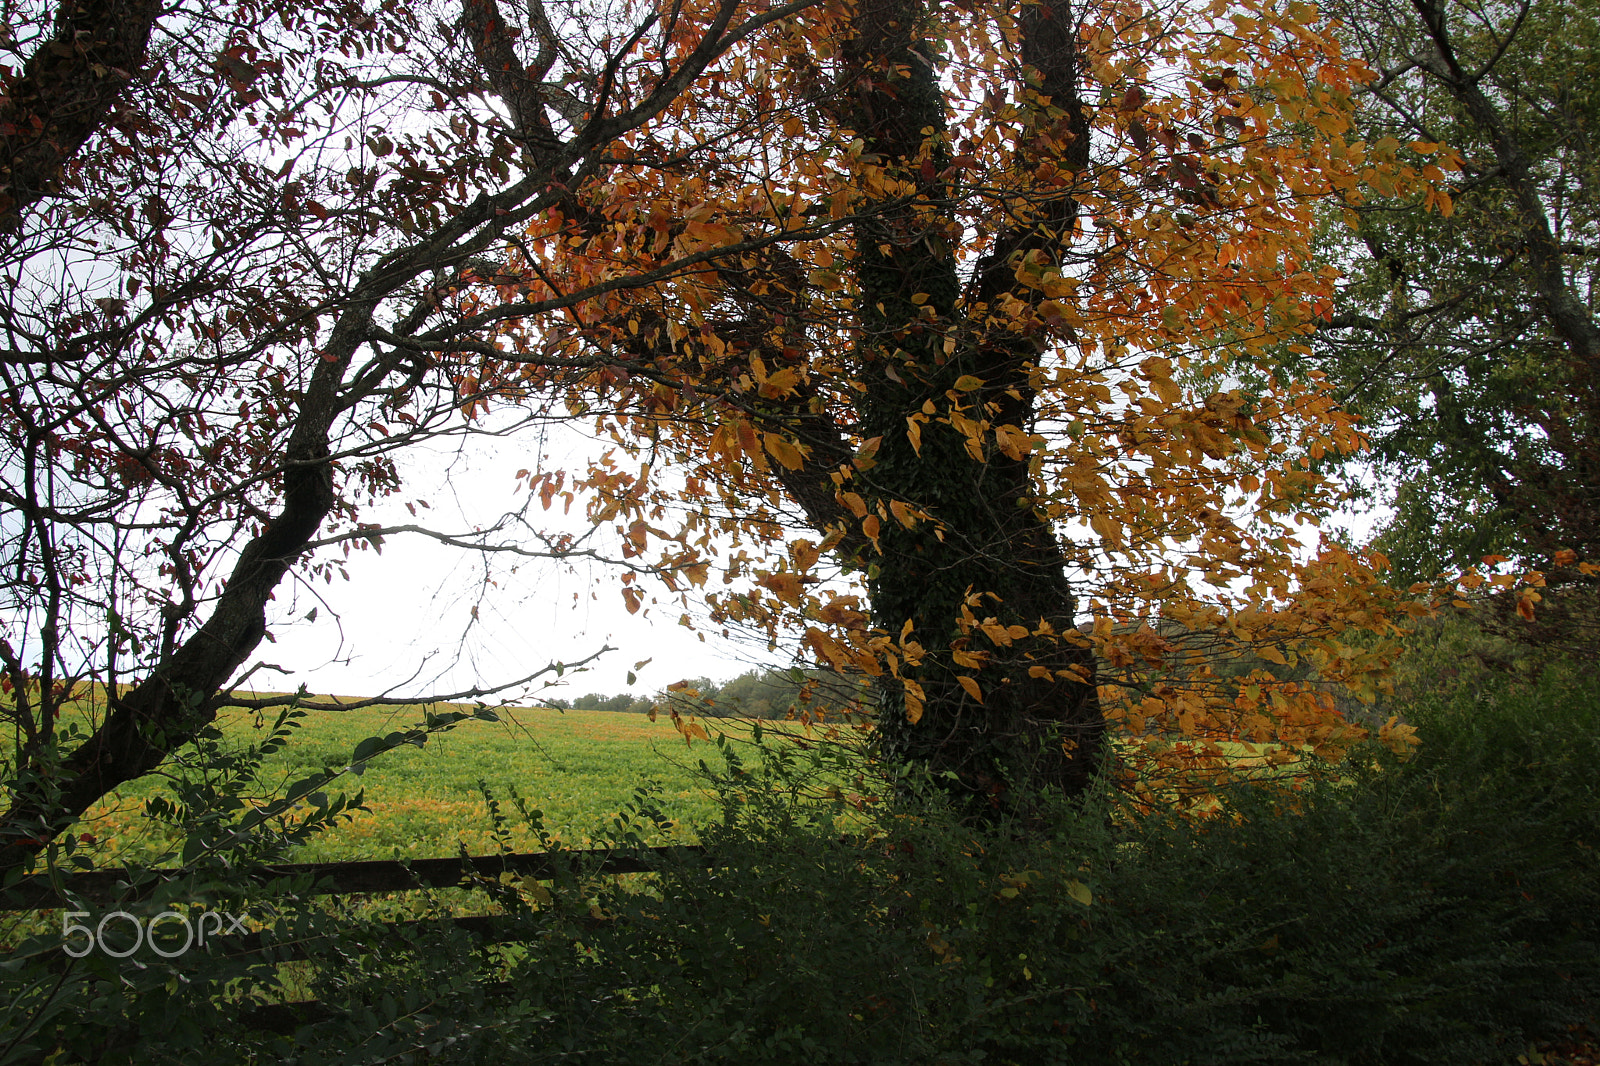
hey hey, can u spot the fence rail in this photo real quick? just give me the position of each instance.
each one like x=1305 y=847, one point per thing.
x=44 y=892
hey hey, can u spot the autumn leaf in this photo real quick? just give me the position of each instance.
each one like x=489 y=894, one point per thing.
x=786 y=453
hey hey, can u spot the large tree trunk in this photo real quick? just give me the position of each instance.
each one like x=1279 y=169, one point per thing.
x=988 y=554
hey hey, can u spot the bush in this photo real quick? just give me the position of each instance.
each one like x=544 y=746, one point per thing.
x=1437 y=910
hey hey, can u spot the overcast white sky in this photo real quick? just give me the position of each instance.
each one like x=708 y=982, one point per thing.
x=404 y=620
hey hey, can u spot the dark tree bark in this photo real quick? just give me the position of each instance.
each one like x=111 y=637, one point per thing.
x=988 y=553
x=64 y=94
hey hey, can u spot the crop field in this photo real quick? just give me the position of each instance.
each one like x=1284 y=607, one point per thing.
x=580 y=768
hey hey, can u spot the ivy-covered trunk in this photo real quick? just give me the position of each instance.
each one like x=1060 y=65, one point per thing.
x=1006 y=681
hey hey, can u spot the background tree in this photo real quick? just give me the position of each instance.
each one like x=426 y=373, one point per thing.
x=1465 y=334
x=1042 y=353
x=246 y=269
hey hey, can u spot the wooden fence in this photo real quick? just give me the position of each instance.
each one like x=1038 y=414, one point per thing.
x=44 y=892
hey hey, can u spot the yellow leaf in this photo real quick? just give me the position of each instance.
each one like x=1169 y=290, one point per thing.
x=829 y=649
x=913 y=702
x=783 y=451
x=1106 y=526
x=967 y=383
x=971 y=686
x=780 y=384
x=857 y=505
x=1400 y=739
x=914 y=434
x=1080 y=892
x=969 y=659
x=788 y=586
x=750 y=445
x=1156 y=367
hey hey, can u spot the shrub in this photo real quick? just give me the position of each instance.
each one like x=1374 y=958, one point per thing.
x=1441 y=909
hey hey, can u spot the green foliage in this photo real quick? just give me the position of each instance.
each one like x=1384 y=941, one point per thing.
x=770 y=695
x=1441 y=909
x=1437 y=911
x=1464 y=335
x=596 y=702
x=123 y=997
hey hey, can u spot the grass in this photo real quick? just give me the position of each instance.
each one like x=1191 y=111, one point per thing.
x=579 y=767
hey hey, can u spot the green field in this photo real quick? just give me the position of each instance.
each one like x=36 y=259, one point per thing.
x=579 y=767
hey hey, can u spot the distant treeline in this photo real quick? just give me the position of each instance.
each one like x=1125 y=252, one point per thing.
x=753 y=694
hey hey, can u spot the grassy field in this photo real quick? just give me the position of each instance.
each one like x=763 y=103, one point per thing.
x=579 y=767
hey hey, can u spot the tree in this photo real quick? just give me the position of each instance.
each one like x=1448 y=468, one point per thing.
x=986 y=298
x=1043 y=347
x=1465 y=334
x=251 y=257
